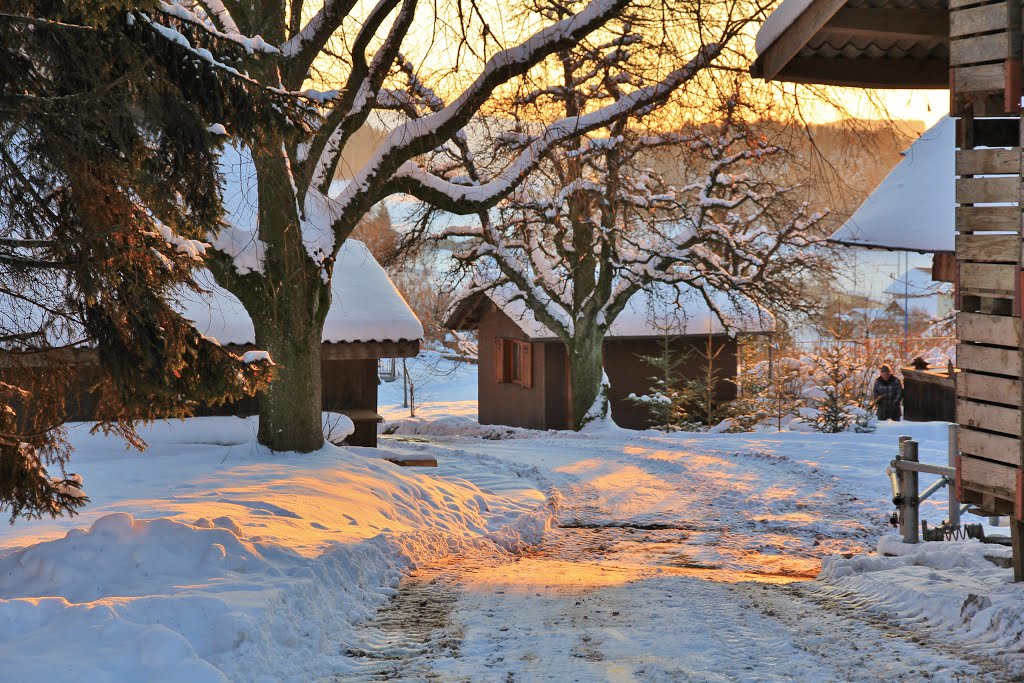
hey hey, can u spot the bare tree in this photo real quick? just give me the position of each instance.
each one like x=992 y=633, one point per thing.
x=600 y=221
x=365 y=62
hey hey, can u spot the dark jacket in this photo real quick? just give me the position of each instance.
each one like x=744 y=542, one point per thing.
x=888 y=394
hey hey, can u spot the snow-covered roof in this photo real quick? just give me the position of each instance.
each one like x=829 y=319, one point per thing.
x=917 y=282
x=913 y=208
x=365 y=306
x=859 y=43
x=778 y=21
x=655 y=314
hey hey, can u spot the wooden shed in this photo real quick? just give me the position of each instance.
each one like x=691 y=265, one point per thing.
x=524 y=375
x=368 y=320
x=974 y=48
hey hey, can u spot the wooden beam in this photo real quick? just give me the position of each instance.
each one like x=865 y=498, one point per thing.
x=924 y=74
x=794 y=38
x=889 y=23
x=364 y=350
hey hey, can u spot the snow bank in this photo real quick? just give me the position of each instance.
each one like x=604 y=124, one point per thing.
x=952 y=590
x=209 y=559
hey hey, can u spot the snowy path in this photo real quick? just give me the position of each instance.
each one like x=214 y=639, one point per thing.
x=669 y=565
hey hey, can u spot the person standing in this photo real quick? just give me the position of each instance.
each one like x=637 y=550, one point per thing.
x=888 y=393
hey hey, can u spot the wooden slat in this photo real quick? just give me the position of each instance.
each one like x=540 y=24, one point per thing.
x=996 y=479
x=988 y=278
x=987 y=190
x=999 y=330
x=989 y=417
x=962 y=4
x=988 y=219
x=988 y=388
x=977 y=20
x=988 y=48
x=978 y=79
x=988 y=248
x=988 y=359
x=987 y=161
x=1002 y=449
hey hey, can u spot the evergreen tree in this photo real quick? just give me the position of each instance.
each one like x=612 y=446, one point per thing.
x=671 y=395
x=108 y=188
x=833 y=397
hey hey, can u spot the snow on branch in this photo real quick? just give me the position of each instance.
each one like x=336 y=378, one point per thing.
x=231 y=32
x=421 y=135
x=456 y=198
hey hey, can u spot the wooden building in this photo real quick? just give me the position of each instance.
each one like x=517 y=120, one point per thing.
x=368 y=320
x=911 y=210
x=524 y=374
x=974 y=48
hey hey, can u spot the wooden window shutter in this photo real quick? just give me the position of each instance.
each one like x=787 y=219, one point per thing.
x=526 y=364
x=499 y=360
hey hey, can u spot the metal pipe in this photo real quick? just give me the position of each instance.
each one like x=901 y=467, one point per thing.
x=931 y=490
x=895 y=484
x=915 y=467
x=908 y=493
x=954 y=451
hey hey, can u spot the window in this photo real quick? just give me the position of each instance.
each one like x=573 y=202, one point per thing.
x=513 y=362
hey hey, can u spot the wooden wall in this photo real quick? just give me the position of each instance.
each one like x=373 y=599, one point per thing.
x=928 y=395
x=541 y=406
x=545 y=405
x=629 y=374
x=989 y=348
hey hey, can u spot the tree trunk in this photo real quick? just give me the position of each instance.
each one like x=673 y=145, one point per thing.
x=287 y=303
x=586 y=368
x=290 y=408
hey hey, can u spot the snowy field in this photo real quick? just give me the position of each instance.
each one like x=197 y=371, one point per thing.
x=602 y=556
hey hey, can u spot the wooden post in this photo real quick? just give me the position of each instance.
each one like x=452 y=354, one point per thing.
x=1016 y=538
x=954 y=501
x=908 y=494
x=900 y=479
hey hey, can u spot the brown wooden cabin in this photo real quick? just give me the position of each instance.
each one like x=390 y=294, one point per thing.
x=523 y=379
x=368 y=320
x=973 y=48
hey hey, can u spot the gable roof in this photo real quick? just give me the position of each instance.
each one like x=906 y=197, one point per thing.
x=864 y=43
x=365 y=306
x=666 y=310
x=912 y=208
x=917 y=282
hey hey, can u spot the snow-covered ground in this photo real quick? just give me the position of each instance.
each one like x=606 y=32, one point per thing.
x=601 y=556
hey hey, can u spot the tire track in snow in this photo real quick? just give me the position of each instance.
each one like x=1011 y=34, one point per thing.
x=627 y=592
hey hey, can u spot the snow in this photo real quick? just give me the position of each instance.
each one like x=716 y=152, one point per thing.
x=210 y=559
x=917 y=282
x=711 y=557
x=255 y=356
x=365 y=306
x=654 y=312
x=778 y=21
x=912 y=209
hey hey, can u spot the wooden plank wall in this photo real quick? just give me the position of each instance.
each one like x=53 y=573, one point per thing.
x=984 y=49
x=989 y=387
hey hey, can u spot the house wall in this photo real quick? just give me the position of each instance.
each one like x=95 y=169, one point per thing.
x=546 y=404
x=628 y=373
x=512 y=404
